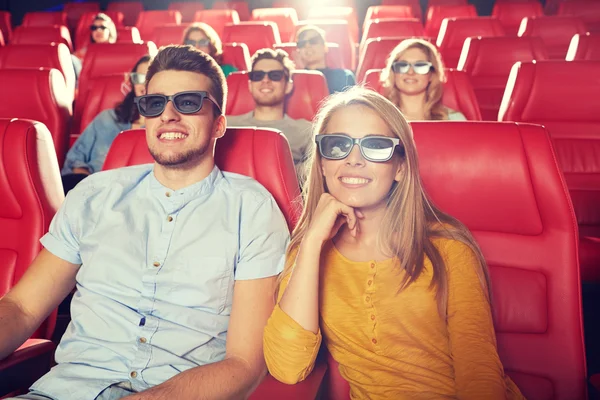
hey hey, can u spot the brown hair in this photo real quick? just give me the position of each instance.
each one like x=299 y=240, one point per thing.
x=215 y=46
x=434 y=109
x=188 y=58
x=112 y=29
x=278 y=55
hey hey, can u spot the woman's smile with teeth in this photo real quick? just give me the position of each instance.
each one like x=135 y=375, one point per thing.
x=172 y=135
x=352 y=180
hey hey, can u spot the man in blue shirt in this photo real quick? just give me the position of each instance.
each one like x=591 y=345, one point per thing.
x=175 y=262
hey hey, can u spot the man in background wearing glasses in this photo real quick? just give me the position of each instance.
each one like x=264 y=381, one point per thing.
x=175 y=262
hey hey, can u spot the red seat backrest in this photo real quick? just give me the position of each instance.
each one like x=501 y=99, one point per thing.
x=391 y=27
x=262 y=154
x=286 y=20
x=378 y=12
x=240 y=6
x=75 y=10
x=256 y=35
x=344 y=13
x=148 y=20
x=556 y=32
x=414 y=4
x=454 y=31
x=310 y=88
x=42 y=35
x=333 y=58
x=31 y=192
x=488 y=62
x=187 y=9
x=458 y=92
x=44 y=18
x=41 y=95
x=51 y=55
x=236 y=54
x=5 y=26
x=584 y=47
x=130 y=9
x=587 y=10
x=217 y=19
x=525 y=226
x=164 y=35
x=129 y=34
x=82 y=32
x=337 y=31
x=510 y=15
x=436 y=14
x=375 y=54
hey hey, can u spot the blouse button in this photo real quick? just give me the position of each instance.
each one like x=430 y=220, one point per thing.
x=372 y=265
x=369 y=282
x=368 y=298
x=373 y=317
x=374 y=341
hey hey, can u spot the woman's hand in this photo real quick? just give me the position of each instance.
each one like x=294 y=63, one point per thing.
x=329 y=217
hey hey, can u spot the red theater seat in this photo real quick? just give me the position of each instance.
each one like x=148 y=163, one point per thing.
x=584 y=47
x=148 y=20
x=34 y=56
x=74 y=11
x=379 y=12
x=217 y=19
x=256 y=35
x=44 y=18
x=556 y=32
x=488 y=61
x=5 y=26
x=458 y=92
x=454 y=31
x=333 y=58
x=310 y=88
x=26 y=365
x=435 y=3
x=511 y=14
x=391 y=27
x=129 y=34
x=375 y=54
x=130 y=9
x=286 y=20
x=42 y=35
x=47 y=101
x=563 y=96
x=240 y=6
x=82 y=32
x=337 y=31
x=415 y=5
x=436 y=14
x=187 y=9
x=236 y=54
x=168 y=34
x=587 y=10
x=344 y=13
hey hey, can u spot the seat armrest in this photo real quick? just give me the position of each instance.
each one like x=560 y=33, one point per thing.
x=26 y=365
x=308 y=389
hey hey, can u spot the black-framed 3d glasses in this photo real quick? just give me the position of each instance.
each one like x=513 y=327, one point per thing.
x=94 y=28
x=153 y=105
x=315 y=40
x=275 y=75
x=197 y=43
x=337 y=146
x=137 y=78
x=420 y=67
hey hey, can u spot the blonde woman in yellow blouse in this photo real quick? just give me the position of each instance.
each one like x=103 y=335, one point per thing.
x=398 y=290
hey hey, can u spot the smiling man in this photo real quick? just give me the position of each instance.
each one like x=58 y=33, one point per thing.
x=270 y=81
x=174 y=262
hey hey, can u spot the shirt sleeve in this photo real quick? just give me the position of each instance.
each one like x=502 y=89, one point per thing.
x=290 y=350
x=478 y=371
x=264 y=236
x=79 y=156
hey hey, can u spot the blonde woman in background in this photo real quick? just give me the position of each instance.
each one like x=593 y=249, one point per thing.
x=203 y=37
x=398 y=290
x=413 y=80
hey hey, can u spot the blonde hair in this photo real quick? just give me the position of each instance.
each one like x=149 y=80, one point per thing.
x=434 y=109
x=411 y=220
x=215 y=46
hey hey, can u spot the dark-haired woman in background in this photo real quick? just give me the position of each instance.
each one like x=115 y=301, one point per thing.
x=89 y=151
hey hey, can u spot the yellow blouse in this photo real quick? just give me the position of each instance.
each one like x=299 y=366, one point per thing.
x=393 y=345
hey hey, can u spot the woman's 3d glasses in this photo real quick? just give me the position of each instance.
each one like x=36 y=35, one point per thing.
x=315 y=40
x=420 y=67
x=153 y=105
x=275 y=75
x=94 y=28
x=137 y=79
x=337 y=146
x=197 y=43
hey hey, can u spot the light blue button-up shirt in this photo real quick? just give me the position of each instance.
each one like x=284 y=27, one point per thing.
x=155 y=288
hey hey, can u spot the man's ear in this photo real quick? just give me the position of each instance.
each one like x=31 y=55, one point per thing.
x=289 y=86
x=219 y=127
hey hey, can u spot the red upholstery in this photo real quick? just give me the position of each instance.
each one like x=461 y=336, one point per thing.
x=130 y=10
x=375 y=54
x=44 y=18
x=148 y=20
x=488 y=61
x=556 y=32
x=454 y=31
x=5 y=26
x=310 y=88
x=262 y=154
x=333 y=58
x=587 y=10
x=217 y=19
x=74 y=11
x=129 y=34
x=47 y=101
x=40 y=55
x=391 y=27
x=26 y=365
x=561 y=96
x=256 y=35
x=458 y=92
x=187 y=9
x=32 y=192
x=584 y=47
x=236 y=54
x=436 y=14
x=337 y=31
x=285 y=19
x=168 y=34
x=240 y=6
x=42 y=35
x=345 y=13
x=378 y=12
x=414 y=4
x=511 y=14
x=82 y=32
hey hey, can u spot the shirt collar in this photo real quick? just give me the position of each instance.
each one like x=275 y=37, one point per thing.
x=186 y=194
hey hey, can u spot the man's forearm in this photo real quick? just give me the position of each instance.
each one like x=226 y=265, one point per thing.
x=14 y=328
x=231 y=378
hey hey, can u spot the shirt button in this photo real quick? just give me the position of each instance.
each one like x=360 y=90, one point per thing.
x=133 y=374
x=168 y=194
x=368 y=298
x=369 y=282
x=373 y=317
x=169 y=218
x=374 y=341
x=143 y=340
x=372 y=265
x=156 y=264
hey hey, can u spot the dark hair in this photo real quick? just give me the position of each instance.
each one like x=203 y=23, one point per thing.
x=215 y=46
x=112 y=29
x=126 y=110
x=188 y=58
x=275 y=54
